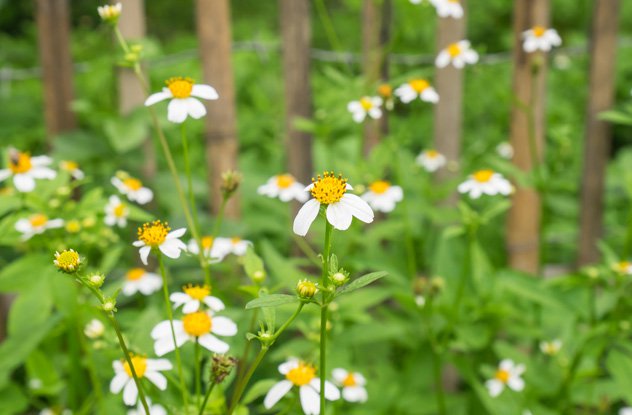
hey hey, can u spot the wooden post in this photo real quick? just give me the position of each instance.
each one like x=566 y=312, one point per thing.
x=296 y=36
x=53 y=31
x=372 y=56
x=529 y=76
x=448 y=114
x=603 y=47
x=215 y=43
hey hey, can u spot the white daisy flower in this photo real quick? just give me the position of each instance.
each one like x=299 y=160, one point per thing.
x=116 y=212
x=508 y=374
x=448 y=8
x=421 y=88
x=303 y=376
x=182 y=91
x=132 y=188
x=145 y=368
x=382 y=197
x=72 y=168
x=200 y=326
x=485 y=182
x=505 y=150
x=352 y=384
x=551 y=348
x=234 y=245
x=540 y=38
x=193 y=296
x=94 y=329
x=153 y=409
x=341 y=207
x=139 y=280
x=157 y=235
x=623 y=267
x=459 y=54
x=211 y=249
x=285 y=187
x=365 y=106
x=35 y=225
x=25 y=169
x=431 y=160
x=625 y=411
x=110 y=12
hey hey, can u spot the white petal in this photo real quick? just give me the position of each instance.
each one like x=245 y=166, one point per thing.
x=291 y=363
x=359 y=116
x=278 y=391
x=24 y=182
x=159 y=364
x=191 y=306
x=157 y=97
x=358 y=207
x=195 y=108
x=42 y=173
x=163 y=329
x=443 y=59
x=4 y=174
x=214 y=303
x=179 y=298
x=355 y=394
x=204 y=91
x=213 y=344
x=516 y=383
x=119 y=381
x=143 y=195
x=338 y=216
x=495 y=387
x=157 y=379
x=144 y=253
x=305 y=216
x=130 y=393
x=177 y=111
x=172 y=248
x=165 y=344
x=331 y=391
x=224 y=326
x=178 y=233
x=506 y=364
x=339 y=375
x=310 y=401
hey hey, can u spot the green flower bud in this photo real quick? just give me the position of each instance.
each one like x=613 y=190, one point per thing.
x=306 y=289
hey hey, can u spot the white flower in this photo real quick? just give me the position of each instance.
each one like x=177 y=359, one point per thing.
x=341 y=207
x=156 y=235
x=625 y=411
x=144 y=368
x=303 y=376
x=94 y=329
x=285 y=187
x=153 y=409
x=139 y=280
x=182 y=91
x=551 y=348
x=35 y=383
x=72 y=168
x=200 y=325
x=35 y=225
x=417 y=88
x=234 y=245
x=508 y=374
x=193 y=296
x=505 y=150
x=540 y=38
x=382 y=197
x=132 y=188
x=623 y=267
x=365 y=106
x=431 y=160
x=116 y=212
x=485 y=182
x=25 y=169
x=420 y=300
x=352 y=384
x=110 y=12
x=211 y=249
x=459 y=54
x=448 y=8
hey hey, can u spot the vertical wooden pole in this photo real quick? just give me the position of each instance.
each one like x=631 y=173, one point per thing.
x=371 y=63
x=53 y=31
x=603 y=47
x=448 y=114
x=296 y=36
x=385 y=39
x=529 y=76
x=215 y=43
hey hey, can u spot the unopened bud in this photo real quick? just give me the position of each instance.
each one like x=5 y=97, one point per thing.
x=96 y=280
x=109 y=305
x=339 y=278
x=258 y=277
x=231 y=180
x=221 y=367
x=110 y=13
x=306 y=289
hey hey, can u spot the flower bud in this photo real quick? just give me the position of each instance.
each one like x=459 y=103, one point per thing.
x=339 y=278
x=258 y=277
x=73 y=226
x=96 y=280
x=110 y=13
x=109 y=305
x=306 y=289
x=221 y=367
x=94 y=329
x=67 y=261
x=231 y=180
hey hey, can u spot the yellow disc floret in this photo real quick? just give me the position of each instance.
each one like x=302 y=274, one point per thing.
x=379 y=187
x=139 y=363
x=207 y=242
x=180 y=87
x=419 y=85
x=69 y=165
x=432 y=154
x=385 y=90
x=483 y=176
x=67 y=261
x=38 y=220
x=302 y=374
x=197 y=324
x=20 y=162
x=366 y=103
x=135 y=274
x=198 y=292
x=328 y=189
x=120 y=210
x=502 y=375
x=349 y=381
x=538 y=31
x=154 y=233
x=132 y=184
x=454 y=50
x=284 y=181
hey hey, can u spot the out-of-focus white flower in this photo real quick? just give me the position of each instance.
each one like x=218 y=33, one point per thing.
x=386 y=92
x=72 y=168
x=234 y=245
x=132 y=188
x=193 y=296
x=383 y=197
x=458 y=54
x=420 y=300
x=139 y=280
x=431 y=160
x=625 y=411
x=285 y=187
x=365 y=106
x=352 y=384
x=485 y=182
x=110 y=13
x=540 y=38
x=505 y=150
x=116 y=212
x=508 y=374
x=623 y=267
x=145 y=368
x=211 y=249
x=551 y=347
x=417 y=88
x=94 y=329
x=183 y=93
x=25 y=169
x=156 y=235
x=35 y=225
x=448 y=8
x=153 y=409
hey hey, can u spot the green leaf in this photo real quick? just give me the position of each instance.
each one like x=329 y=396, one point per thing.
x=616 y=117
x=252 y=263
x=12 y=400
x=620 y=367
x=272 y=300
x=258 y=389
x=361 y=282
x=126 y=133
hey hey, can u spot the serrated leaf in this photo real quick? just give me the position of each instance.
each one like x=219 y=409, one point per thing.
x=272 y=300
x=361 y=282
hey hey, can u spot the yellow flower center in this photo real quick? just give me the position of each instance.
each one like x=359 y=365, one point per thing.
x=366 y=103
x=623 y=266
x=69 y=165
x=180 y=87
x=419 y=85
x=197 y=324
x=329 y=189
x=207 y=242
x=120 y=210
x=454 y=50
x=135 y=274
x=432 y=154
x=198 y=292
x=73 y=226
x=385 y=90
x=301 y=375
x=235 y=240
x=20 y=163
x=379 y=187
x=284 y=181
x=349 y=381
x=67 y=260
x=483 y=176
x=502 y=375
x=538 y=31
x=140 y=366
x=38 y=220
x=132 y=184
x=154 y=233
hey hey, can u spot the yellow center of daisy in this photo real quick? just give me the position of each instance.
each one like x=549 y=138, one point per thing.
x=483 y=176
x=623 y=266
x=132 y=184
x=235 y=240
x=38 y=220
x=69 y=165
x=119 y=210
x=419 y=85
x=73 y=226
x=329 y=189
x=67 y=260
x=538 y=31
x=284 y=181
x=180 y=87
x=20 y=163
x=140 y=366
x=135 y=274
x=153 y=233
x=301 y=375
x=502 y=375
x=197 y=324
x=385 y=90
x=366 y=103
x=432 y=154
x=349 y=381
x=198 y=292
x=207 y=242
x=379 y=187
x=454 y=50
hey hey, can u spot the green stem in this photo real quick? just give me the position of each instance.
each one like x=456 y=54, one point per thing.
x=197 y=370
x=206 y=397
x=94 y=378
x=244 y=357
x=330 y=31
x=438 y=381
x=239 y=389
x=288 y=322
x=165 y=290
x=323 y=314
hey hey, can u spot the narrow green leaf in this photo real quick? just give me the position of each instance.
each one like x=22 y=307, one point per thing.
x=361 y=282
x=272 y=300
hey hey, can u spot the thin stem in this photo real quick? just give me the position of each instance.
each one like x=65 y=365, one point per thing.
x=239 y=389
x=288 y=322
x=323 y=314
x=438 y=381
x=187 y=171
x=208 y=395
x=244 y=357
x=165 y=290
x=197 y=370
x=94 y=379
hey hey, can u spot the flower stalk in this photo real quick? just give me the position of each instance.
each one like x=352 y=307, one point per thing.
x=323 y=313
